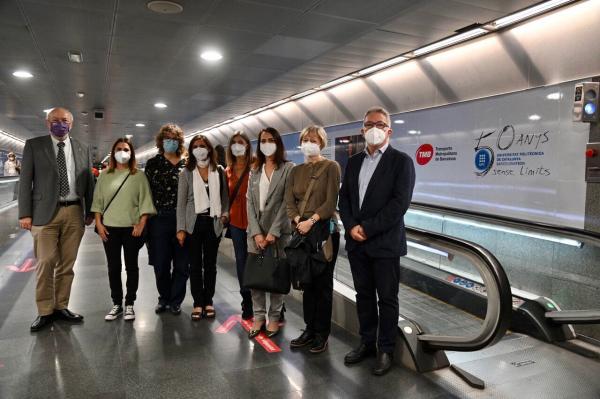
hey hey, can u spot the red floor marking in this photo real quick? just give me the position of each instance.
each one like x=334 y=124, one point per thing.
x=28 y=265
x=262 y=339
x=228 y=325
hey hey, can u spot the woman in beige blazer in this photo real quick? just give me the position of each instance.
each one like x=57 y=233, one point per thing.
x=268 y=224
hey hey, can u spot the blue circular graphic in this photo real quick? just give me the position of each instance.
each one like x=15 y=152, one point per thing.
x=590 y=108
x=483 y=159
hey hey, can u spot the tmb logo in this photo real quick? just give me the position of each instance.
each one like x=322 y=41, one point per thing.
x=424 y=154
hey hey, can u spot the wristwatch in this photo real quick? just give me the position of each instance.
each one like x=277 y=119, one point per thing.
x=312 y=219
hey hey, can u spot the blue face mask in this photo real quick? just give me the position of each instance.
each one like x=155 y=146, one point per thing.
x=170 y=145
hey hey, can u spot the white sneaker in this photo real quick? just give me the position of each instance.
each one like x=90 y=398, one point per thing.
x=129 y=313
x=116 y=311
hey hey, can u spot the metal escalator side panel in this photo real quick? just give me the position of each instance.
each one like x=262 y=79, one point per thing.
x=499 y=306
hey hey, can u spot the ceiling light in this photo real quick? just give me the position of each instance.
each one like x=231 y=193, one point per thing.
x=10 y=136
x=414 y=132
x=75 y=56
x=303 y=94
x=336 y=82
x=84 y=125
x=211 y=55
x=449 y=41
x=227 y=121
x=399 y=121
x=140 y=125
x=48 y=110
x=529 y=12
x=160 y=105
x=84 y=113
x=129 y=136
x=258 y=110
x=381 y=65
x=534 y=117
x=277 y=103
x=554 y=96
x=164 y=7
x=23 y=74
x=80 y=94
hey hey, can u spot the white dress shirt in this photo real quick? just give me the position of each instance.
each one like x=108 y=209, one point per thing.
x=369 y=164
x=72 y=196
x=263 y=189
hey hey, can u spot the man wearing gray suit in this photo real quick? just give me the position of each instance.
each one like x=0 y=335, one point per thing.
x=55 y=195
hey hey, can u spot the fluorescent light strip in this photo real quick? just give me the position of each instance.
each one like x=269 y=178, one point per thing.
x=10 y=136
x=381 y=65
x=276 y=103
x=427 y=249
x=529 y=12
x=539 y=236
x=449 y=41
x=489 y=226
x=303 y=94
x=336 y=82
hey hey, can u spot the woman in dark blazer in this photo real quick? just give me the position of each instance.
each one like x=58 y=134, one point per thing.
x=268 y=225
x=202 y=210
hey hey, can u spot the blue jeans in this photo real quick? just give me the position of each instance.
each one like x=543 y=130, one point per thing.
x=164 y=251
x=240 y=248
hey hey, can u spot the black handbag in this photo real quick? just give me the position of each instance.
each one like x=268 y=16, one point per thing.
x=267 y=272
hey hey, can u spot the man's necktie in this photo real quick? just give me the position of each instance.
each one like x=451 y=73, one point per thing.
x=63 y=177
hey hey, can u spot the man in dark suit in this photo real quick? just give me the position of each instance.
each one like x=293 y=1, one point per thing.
x=55 y=196
x=376 y=192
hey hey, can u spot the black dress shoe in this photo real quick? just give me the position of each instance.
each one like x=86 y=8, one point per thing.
x=253 y=333
x=41 y=322
x=175 y=309
x=66 y=314
x=319 y=345
x=362 y=352
x=383 y=363
x=306 y=338
x=160 y=308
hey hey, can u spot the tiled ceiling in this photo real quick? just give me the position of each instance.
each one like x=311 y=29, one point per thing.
x=134 y=57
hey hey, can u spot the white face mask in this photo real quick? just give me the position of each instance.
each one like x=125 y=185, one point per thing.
x=375 y=136
x=268 y=148
x=238 y=149
x=122 y=156
x=200 y=153
x=310 y=149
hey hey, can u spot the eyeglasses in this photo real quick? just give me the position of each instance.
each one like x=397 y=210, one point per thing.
x=378 y=125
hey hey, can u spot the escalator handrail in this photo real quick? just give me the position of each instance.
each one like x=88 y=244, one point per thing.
x=586 y=236
x=499 y=297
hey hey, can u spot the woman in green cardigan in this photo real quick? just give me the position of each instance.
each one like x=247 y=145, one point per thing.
x=122 y=204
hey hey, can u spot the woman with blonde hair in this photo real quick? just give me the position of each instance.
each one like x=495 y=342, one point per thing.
x=315 y=213
x=202 y=211
x=239 y=162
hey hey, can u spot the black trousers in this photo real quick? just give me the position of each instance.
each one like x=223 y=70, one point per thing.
x=170 y=260
x=203 y=246
x=376 y=278
x=317 y=300
x=120 y=237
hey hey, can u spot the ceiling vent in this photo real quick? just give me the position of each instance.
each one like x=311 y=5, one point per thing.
x=99 y=114
x=164 y=7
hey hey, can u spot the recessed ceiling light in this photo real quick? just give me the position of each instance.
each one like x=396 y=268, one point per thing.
x=85 y=125
x=23 y=74
x=129 y=136
x=164 y=7
x=211 y=55
x=399 y=121
x=140 y=125
x=84 y=113
x=80 y=94
x=534 y=117
x=75 y=56
x=48 y=110
x=414 y=132
x=160 y=105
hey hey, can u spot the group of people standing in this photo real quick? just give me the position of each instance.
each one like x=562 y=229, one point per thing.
x=183 y=202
